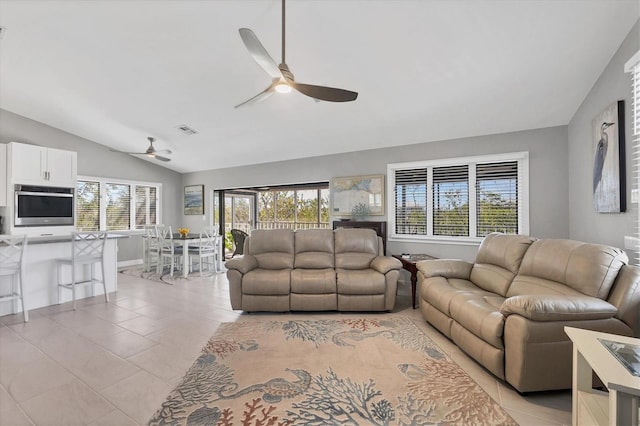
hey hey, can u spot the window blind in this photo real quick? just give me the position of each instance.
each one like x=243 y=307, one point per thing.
x=88 y=206
x=411 y=201
x=451 y=200
x=118 y=206
x=633 y=67
x=146 y=206
x=497 y=198
x=459 y=198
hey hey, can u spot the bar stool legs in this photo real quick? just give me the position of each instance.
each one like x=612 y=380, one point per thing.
x=12 y=254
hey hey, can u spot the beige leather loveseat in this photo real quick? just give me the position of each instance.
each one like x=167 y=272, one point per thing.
x=508 y=309
x=313 y=270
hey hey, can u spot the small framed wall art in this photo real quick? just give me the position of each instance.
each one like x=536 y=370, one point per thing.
x=194 y=199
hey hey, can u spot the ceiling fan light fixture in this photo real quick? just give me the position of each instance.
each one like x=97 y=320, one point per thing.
x=282 y=87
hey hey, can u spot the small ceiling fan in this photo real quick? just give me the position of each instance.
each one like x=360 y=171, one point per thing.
x=151 y=151
x=281 y=77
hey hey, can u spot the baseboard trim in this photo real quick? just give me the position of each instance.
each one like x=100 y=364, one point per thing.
x=127 y=263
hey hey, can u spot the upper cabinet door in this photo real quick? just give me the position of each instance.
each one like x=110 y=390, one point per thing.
x=61 y=168
x=27 y=164
x=36 y=165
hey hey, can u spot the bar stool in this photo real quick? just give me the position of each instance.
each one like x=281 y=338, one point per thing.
x=86 y=249
x=12 y=259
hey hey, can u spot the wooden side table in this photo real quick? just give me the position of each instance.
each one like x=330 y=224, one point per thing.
x=620 y=405
x=409 y=263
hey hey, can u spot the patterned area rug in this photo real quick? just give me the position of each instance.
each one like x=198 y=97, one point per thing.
x=165 y=277
x=365 y=371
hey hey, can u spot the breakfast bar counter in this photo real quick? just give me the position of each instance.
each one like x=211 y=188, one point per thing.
x=40 y=279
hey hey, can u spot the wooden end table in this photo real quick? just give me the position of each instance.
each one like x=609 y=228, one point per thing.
x=620 y=405
x=409 y=263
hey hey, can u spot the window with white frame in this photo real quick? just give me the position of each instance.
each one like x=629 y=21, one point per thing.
x=633 y=66
x=460 y=199
x=115 y=205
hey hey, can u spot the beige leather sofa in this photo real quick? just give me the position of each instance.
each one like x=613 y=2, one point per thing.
x=313 y=270
x=508 y=309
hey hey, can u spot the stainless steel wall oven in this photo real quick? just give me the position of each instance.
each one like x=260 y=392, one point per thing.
x=43 y=206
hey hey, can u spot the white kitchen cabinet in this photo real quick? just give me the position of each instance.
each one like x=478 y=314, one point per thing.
x=3 y=174
x=37 y=165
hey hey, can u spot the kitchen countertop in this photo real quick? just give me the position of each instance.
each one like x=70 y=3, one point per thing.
x=48 y=239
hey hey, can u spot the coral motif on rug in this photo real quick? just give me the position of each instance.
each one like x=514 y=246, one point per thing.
x=365 y=371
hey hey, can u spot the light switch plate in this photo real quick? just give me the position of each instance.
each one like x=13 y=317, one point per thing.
x=634 y=195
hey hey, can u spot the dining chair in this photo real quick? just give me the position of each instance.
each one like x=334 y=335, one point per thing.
x=205 y=251
x=168 y=251
x=87 y=249
x=152 y=246
x=12 y=265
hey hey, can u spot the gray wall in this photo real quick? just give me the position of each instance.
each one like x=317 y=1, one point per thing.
x=547 y=163
x=97 y=160
x=612 y=85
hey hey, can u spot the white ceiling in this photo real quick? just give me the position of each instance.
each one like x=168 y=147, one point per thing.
x=116 y=72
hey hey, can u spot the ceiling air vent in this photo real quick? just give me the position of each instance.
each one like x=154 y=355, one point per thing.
x=187 y=130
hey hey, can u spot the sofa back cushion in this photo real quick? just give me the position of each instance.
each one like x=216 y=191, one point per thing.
x=590 y=269
x=355 y=247
x=498 y=261
x=273 y=248
x=314 y=249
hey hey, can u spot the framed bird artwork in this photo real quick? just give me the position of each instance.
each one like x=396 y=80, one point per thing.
x=609 y=189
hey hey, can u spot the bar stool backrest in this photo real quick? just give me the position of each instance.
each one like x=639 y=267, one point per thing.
x=88 y=245
x=12 y=253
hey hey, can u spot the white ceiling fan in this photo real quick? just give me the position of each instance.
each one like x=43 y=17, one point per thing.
x=151 y=151
x=281 y=77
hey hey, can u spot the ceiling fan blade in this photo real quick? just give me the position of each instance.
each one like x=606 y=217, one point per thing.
x=162 y=151
x=324 y=93
x=259 y=53
x=124 y=152
x=161 y=158
x=259 y=97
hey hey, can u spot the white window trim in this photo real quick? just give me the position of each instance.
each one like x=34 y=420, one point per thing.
x=132 y=201
x=521 y=157
x=632 y=66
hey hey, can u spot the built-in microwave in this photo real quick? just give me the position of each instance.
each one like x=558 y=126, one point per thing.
x=43 y=206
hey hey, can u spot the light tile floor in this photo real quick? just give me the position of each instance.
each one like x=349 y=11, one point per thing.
x=114 y=364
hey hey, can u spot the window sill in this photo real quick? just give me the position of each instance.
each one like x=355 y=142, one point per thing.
x=424 y=239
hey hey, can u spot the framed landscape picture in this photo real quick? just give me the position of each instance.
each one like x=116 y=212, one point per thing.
x=609 y=189
x=194 y=199
x=362 y=192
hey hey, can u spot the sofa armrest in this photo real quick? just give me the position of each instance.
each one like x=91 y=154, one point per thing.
x=384 y=264
x=242 y=264
x=558 y=308
x=449 y=268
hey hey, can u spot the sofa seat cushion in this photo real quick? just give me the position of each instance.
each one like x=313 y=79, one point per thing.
x=439 y=291
x=267 y=282
x=480 y=314
x=313 y=281
x=363 y=281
